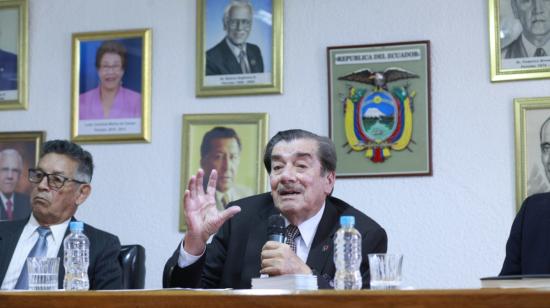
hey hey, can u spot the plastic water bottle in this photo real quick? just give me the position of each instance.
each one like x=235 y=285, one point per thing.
x=77 y=258
x=347 y=256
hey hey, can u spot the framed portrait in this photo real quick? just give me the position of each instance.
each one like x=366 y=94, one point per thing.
x=379 y=109
x=532 y=135
x=13 y=54
x=230 y=143
x=519 y=42
x=111 y=86
x=19 y=151
x=239 y=47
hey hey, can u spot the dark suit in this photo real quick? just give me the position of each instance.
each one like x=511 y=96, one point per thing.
x=233 y=257
x=8 y=71
x=528 y=247
x=220 y=60
x=21 y=207
x=515 y=50
x=104 y=272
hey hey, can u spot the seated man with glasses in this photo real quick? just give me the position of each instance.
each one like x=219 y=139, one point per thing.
x=233 y=55
x=60 y=184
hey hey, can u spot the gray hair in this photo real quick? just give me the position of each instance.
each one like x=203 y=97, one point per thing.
x=234 y=4
x=12 y=152
x=326 y=151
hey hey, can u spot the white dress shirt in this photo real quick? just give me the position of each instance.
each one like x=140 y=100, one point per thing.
x=531 y=49
x=26 y=242
x=303 y=242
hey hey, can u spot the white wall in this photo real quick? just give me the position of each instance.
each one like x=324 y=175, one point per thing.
x=452 y=226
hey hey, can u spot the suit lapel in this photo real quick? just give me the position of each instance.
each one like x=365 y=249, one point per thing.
x=231 y=63
x=321 y=251
x=3 y=214
x=8 y=242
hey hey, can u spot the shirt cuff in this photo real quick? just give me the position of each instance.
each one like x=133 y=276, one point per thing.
x=185 y=259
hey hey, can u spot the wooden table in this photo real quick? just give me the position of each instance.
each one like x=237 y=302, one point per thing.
x=281 y=299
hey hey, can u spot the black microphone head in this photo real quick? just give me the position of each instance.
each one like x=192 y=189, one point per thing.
x=276 y=228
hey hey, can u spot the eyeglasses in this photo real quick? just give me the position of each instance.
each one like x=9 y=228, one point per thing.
x=55 y=181
x=243 y=22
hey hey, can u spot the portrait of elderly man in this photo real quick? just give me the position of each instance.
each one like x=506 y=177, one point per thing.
x=537 y=182
x=221 y=151
x=234 y=55
x=534 y=16
x=14 y=205
x=302 y=173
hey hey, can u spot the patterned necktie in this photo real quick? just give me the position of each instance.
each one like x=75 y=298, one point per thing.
x=9 y=209
x=540 y=52
x=244 y=62
x=291 y=233
x=39 y=250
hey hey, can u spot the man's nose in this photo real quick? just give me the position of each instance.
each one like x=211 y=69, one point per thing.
x=43 y=184
x=288 y=174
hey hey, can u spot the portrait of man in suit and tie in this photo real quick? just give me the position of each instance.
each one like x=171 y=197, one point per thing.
x=539 y=169
x=14 y=205
x=234 y=54
x=221 y=151
x=534 y=38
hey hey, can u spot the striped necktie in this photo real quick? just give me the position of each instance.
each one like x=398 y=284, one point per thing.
x=291 y=233
x=244 y=62
x=39 y=250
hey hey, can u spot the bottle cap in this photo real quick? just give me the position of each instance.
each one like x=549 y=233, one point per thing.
x=76 y=226
x=347 y=220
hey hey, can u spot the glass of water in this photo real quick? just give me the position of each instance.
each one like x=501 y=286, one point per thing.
x=385 y=271
x=43 y=273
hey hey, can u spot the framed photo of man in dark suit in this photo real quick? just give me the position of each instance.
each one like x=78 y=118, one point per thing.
x=230 y=143
x=532 y=135
x=19 y=151
x=519 y=32
x=13 y=54
x=239 y=47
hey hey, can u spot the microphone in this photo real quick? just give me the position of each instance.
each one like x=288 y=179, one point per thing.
x=276 y=228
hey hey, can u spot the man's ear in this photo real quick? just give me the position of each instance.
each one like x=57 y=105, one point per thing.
x=330 y=177
x=83 y=192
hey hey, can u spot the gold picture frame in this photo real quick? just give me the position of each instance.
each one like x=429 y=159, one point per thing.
x=532 y=176
x=125 y=66
x=13 y=54
x=238 y=137
x=27 y=146
x=512 y=56
x=218 y=73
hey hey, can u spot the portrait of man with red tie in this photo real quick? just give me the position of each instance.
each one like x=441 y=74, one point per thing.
x=14 y=205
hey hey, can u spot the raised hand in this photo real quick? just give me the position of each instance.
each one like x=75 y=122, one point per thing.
x=202 y=216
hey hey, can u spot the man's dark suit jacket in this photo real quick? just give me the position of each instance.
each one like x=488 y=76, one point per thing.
x=21 y=207
x=104 y=272
x=528 y=247
x=233 y=257
x=220 y=60
x=8 y=71
x=515 y=50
